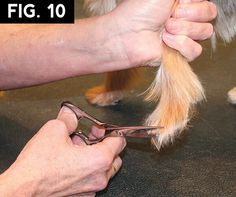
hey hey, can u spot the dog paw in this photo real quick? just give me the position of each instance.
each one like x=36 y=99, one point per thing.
x=232 y=96
x=2 y=93
x=101 y=97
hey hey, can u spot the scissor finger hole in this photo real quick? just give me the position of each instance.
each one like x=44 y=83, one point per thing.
x=77 y=140
x=90 y=129
x=96 y=132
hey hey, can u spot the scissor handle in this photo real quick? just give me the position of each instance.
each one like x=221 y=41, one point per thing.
x=110 y=130
x=82 y=114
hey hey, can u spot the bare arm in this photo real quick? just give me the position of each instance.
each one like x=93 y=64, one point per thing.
x=122 y=39
x=52 y=164
x=36 y=54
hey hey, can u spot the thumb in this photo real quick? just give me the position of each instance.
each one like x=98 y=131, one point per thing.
x=69 y=118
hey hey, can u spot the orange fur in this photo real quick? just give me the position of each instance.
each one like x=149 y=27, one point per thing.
x=112 y=90
x=121 y=80
x=99 y=95
x=2 y=93
x=176 y=87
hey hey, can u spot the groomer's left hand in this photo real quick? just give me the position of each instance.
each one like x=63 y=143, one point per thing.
x=189 y=22
x=52 y=164
x=141 y=25
x=127 y=37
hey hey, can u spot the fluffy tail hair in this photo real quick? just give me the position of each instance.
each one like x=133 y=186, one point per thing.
x=178 y=89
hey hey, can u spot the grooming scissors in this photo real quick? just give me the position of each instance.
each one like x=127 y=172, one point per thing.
x=110 y=129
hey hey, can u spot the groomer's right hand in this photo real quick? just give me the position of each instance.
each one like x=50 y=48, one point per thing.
x=51 y=164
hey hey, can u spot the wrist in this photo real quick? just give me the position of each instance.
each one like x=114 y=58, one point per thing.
x=99 y=45
x=140 y=45
x=13 y=183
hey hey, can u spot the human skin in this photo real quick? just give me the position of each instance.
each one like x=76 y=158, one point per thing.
x=37 y=54
x=53 y=164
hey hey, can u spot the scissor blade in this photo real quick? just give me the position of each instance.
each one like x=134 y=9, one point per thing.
x=138 y=132
x=139 y=135
x=134 y=128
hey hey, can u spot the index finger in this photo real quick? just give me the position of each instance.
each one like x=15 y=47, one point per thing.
x=196 y=11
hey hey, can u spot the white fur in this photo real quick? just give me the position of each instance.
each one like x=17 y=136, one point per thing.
x=232 y=96
x=225 y=24
x=108 y=98
x=99 y=7
x=178 y=90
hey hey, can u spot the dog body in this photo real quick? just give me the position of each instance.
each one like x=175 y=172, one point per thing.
x=225 y=25
x=176 y=87
x=100 y=7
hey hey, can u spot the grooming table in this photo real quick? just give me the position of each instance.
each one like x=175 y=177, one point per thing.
x=201 y=163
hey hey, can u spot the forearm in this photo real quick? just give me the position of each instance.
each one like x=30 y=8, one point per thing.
x=36 y=54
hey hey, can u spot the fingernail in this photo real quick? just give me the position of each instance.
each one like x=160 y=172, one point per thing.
x=65 y=109
x=124 y=144
x=69 y=117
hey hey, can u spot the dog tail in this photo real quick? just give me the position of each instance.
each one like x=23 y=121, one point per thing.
x=178 y=89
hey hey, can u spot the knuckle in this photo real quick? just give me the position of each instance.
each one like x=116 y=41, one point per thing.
x=56 y=124
x=103 y=183
x=172 y=25
x=60 y=125
x=50 y=123
x=104 y=158
x=100 y=183
x=107 y=160
x=191 y=50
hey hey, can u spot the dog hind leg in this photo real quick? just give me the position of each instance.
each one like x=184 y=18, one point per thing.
x=115 y=82
x=112 y=90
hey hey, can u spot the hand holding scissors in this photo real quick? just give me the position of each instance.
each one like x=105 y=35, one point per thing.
x=110 y=129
